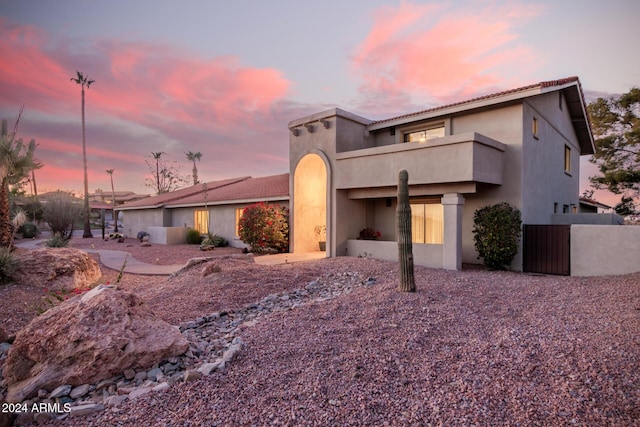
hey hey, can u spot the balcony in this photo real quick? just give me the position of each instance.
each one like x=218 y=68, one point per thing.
x=451 y=163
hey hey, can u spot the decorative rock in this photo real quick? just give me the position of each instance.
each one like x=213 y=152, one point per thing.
x=5 y=347
x=114 y=400
x=63 y=390
x=161 y=387
x=191 y=375
x=129 y=374
x=153 y=374
x=79 y=391
x=88 y=338
x=139 y=392
x=140 y=376
x=41 y=417
x=86 y=409
x=64 y=268
x=207 y=368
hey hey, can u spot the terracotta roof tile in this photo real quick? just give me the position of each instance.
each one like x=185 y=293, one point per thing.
x=261 y=188
x=546 y=84
x=163 y=199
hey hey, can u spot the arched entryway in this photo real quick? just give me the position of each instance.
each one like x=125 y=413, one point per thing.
x=309 y=202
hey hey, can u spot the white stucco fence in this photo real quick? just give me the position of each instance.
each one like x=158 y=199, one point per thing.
x=599 y=250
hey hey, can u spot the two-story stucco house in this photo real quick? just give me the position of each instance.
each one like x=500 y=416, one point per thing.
x=520 y=146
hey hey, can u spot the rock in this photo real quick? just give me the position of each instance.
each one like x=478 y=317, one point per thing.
x=191 y=375
x=4 y=347
x=87 y=339
x=153 y=374
x=139 y=392
x=57 y=268
x=129 y=374
x=114 y=400
x=140 y=376
x=161 y=387
x=41 y=417
x=230 y=353
x=63 y=390
x=3 y=335
x=208 y=368
x=210 y=268
x=79 y=391
x=145 y=239
x=145 y=244
x=86 y=409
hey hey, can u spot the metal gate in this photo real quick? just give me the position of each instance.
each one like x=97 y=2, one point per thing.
x=546 y=249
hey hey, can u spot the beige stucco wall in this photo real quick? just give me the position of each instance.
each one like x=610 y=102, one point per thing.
x=424 y=255
x=222 y=219
x=134 y=221
x=598 y=250
x=544 y=179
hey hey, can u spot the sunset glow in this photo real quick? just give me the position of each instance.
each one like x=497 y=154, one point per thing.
x=224 y=82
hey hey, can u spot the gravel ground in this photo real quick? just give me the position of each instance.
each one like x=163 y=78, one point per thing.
x=468 y=348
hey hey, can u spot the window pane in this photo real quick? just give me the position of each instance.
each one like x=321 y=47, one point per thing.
x=424 y=135
x=201 y=221
x=417 y=223
x=434 y=217
x=239 y=212
x=427 y=223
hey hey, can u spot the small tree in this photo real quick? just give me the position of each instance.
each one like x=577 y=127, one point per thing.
x=61 y=213
x=265 y=227
x=496 y=230
x=165 y=176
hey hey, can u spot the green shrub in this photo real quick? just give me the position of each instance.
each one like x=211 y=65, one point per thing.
x=265 y=227
x=215 y=240
x=193 y=237
x=8 y=265
x=57 y=241
x=496 y=230
x=28 y=230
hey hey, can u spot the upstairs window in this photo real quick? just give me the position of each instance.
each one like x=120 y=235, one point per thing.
x=424 y=135
x=534 y=128
x=567 y=159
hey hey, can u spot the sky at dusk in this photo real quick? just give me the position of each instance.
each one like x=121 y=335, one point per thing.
x=224 y=78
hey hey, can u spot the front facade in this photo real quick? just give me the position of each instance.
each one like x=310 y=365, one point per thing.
x=521 y=146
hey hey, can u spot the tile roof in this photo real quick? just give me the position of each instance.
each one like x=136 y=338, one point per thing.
x=262 y=188
x=235 y=189
x=541 y=85
x=165 y=198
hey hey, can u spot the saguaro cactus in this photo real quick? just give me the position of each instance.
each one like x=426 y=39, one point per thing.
x=405 y=247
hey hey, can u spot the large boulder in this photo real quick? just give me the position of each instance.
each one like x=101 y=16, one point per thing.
x=57 y=268
x=86 y=339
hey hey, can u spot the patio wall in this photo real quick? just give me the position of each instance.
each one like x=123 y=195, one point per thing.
x=424 y=255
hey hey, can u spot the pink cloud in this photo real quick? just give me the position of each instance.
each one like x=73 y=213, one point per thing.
x=428 y=51
x=146 y=97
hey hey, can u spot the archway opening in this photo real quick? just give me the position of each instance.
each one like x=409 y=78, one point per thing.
x=309 y=203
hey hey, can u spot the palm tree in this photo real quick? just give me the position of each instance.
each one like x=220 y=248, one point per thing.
x=16 y=162
x=113 y=194
x=83 y=80
x=193 y=157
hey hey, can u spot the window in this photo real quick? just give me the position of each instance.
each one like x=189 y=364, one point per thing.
x=239 y=212
x=201 y=220
x=427 y=223
x=534 y=128
x=425 y=134
x=567 y=159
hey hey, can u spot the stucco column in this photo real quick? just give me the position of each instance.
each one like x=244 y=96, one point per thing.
x=452 y=244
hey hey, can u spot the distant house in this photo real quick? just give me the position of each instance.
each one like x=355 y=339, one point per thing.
x=520 y=146
x=212 y=207
x=106 y=197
